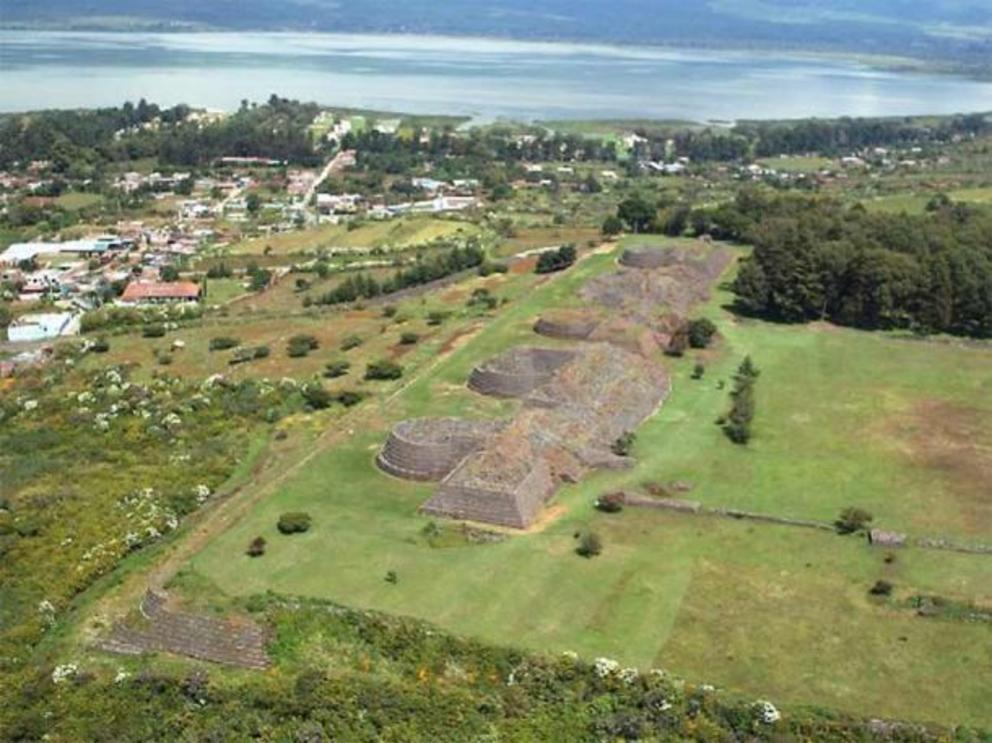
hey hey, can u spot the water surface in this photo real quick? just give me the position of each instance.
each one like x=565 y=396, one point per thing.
x=483 y=78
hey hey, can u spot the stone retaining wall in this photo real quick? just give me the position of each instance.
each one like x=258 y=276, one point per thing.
x=235 y=643
x=518 y=372
x=427 y=449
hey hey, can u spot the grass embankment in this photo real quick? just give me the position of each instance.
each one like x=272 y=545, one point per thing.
x=842 y=420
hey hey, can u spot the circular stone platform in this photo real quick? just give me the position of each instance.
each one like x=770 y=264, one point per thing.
x=430 y=448
x=518 y=371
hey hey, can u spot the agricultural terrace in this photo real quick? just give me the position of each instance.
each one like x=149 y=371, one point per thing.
x=844 y=418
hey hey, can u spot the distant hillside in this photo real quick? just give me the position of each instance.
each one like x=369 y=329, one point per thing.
x=942 y=29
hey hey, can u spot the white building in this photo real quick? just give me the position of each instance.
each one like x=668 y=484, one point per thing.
x=42 y=326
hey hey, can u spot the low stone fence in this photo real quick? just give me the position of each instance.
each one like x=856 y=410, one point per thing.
x=696 y=508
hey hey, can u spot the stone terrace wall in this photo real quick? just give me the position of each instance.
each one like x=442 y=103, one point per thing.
x=429 y=448
x=518 y=372
x=571 y=326
x=462 y=496
x=235 y=643
x=647 y=257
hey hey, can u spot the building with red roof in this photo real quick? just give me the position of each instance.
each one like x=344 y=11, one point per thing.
x=153 y=292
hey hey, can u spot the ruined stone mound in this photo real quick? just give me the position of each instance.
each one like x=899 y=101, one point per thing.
x=507 y=483
x=430 y=448
x=676 y=286
x=228 y=641
x=518 y=371
x=572 y=324
x=649 y=257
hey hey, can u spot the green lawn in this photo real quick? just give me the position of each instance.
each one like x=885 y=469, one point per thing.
x=843 y=418
x=798 y=164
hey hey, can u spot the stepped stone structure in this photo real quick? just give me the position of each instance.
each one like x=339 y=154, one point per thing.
x=577 y=402
x=569 y=324
x=429 y=448
x=647 y=257
x=228 y=641
x=518 y=371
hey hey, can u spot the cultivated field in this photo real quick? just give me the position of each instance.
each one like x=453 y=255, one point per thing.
x=902 y=428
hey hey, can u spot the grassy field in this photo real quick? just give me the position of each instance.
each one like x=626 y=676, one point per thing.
x=798 y=164
x=75 y=201
x=899 y=427
x=916 y=203
x=395 y=233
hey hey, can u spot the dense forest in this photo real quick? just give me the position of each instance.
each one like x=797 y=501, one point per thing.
x=818 y=259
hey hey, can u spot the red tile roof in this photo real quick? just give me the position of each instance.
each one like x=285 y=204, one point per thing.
x=149 y=290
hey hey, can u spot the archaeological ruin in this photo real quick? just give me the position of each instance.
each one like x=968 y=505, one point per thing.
x=576 y=402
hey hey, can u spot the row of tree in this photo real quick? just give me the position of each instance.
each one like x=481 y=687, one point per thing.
x=425 y=270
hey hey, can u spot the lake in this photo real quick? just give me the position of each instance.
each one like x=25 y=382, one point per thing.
x=483 y=78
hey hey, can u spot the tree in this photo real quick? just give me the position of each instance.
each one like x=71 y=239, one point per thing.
x=383 y=369
x=168 y=273
x=612 y=226
x=636 y=213
x=301 y=345
x=256 y=548
x=853 y=520
x=316 y=396
x=556 y=260
x=701 y=332
x=253 y=203
x=590 y=545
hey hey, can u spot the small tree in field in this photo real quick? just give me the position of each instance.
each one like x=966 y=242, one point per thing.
x=852 y=520
x=590 y=545
x=256 y=548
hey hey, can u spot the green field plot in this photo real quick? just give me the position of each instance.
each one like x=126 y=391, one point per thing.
x=901 y=428
x=397 y=233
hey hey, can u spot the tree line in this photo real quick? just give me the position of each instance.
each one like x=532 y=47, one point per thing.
x=816 y=259
x=424 y=271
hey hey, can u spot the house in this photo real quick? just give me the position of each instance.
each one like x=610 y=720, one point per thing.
x=41 y=326
x=338 y=203
x=141 y=292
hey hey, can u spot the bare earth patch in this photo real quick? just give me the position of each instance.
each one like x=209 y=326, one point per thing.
x=955 y=442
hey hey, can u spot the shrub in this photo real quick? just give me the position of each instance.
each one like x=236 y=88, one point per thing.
x=164 y=358
x=612 y=226
x=482 y=297
x=349 y=398
x=490 y=267
x=391 y=577
x=622 y=446
x=610 y=503
x=590 y=545
x=701 y=332
x=316 y=396
x=881 y=588
x=852 y=520
x=294 y=522
x=409 y=339
x=389 y=310
x=261 y=352
x=383 y=369
x=698 y=370
x=556 y=260
x=350 y=342
x=301 y=345
x=155 y=330
x=256 y=547
x=336 y=369
x=100 y=345
x=437 y=317
x=223 y=342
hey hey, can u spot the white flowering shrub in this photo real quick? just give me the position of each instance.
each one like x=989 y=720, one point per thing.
x=63 y=673
x=767 y=712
